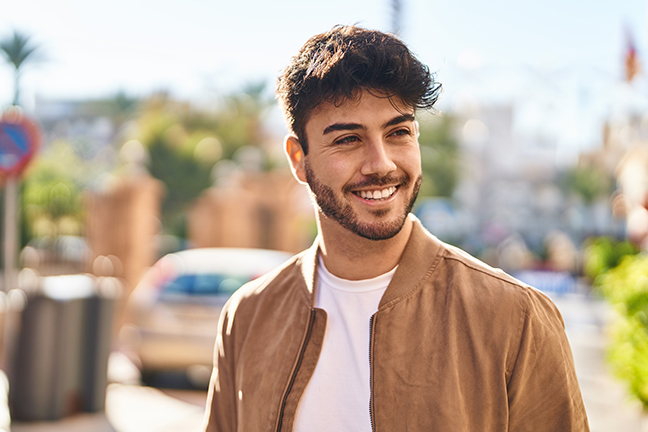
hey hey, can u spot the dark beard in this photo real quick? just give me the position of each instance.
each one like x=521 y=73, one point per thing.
x=344 y=214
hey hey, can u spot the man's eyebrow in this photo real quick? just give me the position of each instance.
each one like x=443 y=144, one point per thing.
x=341 y=127
x=399 y=119
x=354 y=126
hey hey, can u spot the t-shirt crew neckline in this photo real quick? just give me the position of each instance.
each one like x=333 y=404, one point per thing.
x=353 y=286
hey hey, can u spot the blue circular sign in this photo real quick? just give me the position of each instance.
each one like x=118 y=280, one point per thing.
x=19 y=139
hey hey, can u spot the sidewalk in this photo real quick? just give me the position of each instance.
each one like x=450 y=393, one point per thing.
x=133 y=408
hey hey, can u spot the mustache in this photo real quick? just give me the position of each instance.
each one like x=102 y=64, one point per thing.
x=376 y=181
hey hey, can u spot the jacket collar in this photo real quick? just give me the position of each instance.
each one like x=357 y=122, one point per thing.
x=421 y=255
x=308 y=264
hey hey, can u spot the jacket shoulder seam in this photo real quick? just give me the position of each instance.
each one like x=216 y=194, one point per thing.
x=487 y=273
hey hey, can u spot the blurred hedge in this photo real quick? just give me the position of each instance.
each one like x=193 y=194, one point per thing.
x=605 y=253
x=626 y=288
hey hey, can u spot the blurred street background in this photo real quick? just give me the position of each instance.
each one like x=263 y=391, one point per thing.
x=143 y=181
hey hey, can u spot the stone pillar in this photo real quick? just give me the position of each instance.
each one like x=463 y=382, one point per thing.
x=123 y=222
x=261 y=210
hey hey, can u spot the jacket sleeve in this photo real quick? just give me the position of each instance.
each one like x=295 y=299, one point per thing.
x=543 y=391
x=220 y=412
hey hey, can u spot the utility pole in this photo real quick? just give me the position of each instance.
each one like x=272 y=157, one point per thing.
x=397 y=13
x=17 y=51
x=11 y=227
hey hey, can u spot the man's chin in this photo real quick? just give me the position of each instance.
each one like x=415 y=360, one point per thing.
x=375 y=231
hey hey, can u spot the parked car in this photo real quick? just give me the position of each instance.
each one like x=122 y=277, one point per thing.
x=173 y=312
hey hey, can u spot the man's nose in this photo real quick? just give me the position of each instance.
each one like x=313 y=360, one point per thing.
x=378 y=160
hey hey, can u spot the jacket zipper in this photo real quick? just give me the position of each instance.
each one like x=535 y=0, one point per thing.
x=371 y=411
x=297 y=366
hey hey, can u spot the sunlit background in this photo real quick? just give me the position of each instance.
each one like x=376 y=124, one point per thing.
x=161 y=133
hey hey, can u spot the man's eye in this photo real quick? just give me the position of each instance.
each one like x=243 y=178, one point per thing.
x=347 y=140
x=401 y=132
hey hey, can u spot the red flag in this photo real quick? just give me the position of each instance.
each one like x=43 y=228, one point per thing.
x=632 y=65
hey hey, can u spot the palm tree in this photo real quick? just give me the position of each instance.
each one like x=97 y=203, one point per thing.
x=17 y=51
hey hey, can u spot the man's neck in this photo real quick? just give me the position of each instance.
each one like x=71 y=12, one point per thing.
x=349 y=256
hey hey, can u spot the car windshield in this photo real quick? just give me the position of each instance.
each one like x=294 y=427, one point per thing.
x=203 y=284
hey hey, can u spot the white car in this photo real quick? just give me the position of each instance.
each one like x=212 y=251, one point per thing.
x=173 y=312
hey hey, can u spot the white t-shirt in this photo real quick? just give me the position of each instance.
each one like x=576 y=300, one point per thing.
x=337 y=396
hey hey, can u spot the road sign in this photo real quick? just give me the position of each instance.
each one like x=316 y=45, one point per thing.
x=20 y=138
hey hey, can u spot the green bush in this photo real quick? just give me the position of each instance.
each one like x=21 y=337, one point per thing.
x=626 y=288
x=605 y=253
x=628 y=357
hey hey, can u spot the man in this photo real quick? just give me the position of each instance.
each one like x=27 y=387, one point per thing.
x=379 y=326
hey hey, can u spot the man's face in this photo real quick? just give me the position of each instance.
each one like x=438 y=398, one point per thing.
x=363 y=165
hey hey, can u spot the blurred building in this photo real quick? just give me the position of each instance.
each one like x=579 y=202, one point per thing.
x=512 y=192
x=623 y=154
x=91 y=125
x=509 y=182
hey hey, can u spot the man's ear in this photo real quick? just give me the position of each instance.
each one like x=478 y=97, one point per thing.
x=295 y=155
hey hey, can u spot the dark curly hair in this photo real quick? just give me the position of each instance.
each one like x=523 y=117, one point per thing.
x=337 y=65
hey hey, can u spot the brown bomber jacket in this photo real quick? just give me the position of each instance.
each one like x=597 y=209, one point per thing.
x=455 y=346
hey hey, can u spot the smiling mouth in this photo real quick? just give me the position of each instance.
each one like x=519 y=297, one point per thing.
x=376 y=195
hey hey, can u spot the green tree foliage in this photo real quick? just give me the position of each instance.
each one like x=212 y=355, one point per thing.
x=173 y=162
x=53 y=185
x=241 y=118
x=439 y=156
x=52 y=192
x=184 y=143
x=589 y=183
x=626 y=287
x=605 y=253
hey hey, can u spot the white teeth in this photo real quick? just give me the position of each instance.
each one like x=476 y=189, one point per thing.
x=378 y=194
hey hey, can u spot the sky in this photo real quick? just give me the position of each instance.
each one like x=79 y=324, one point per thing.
x=494 y=51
